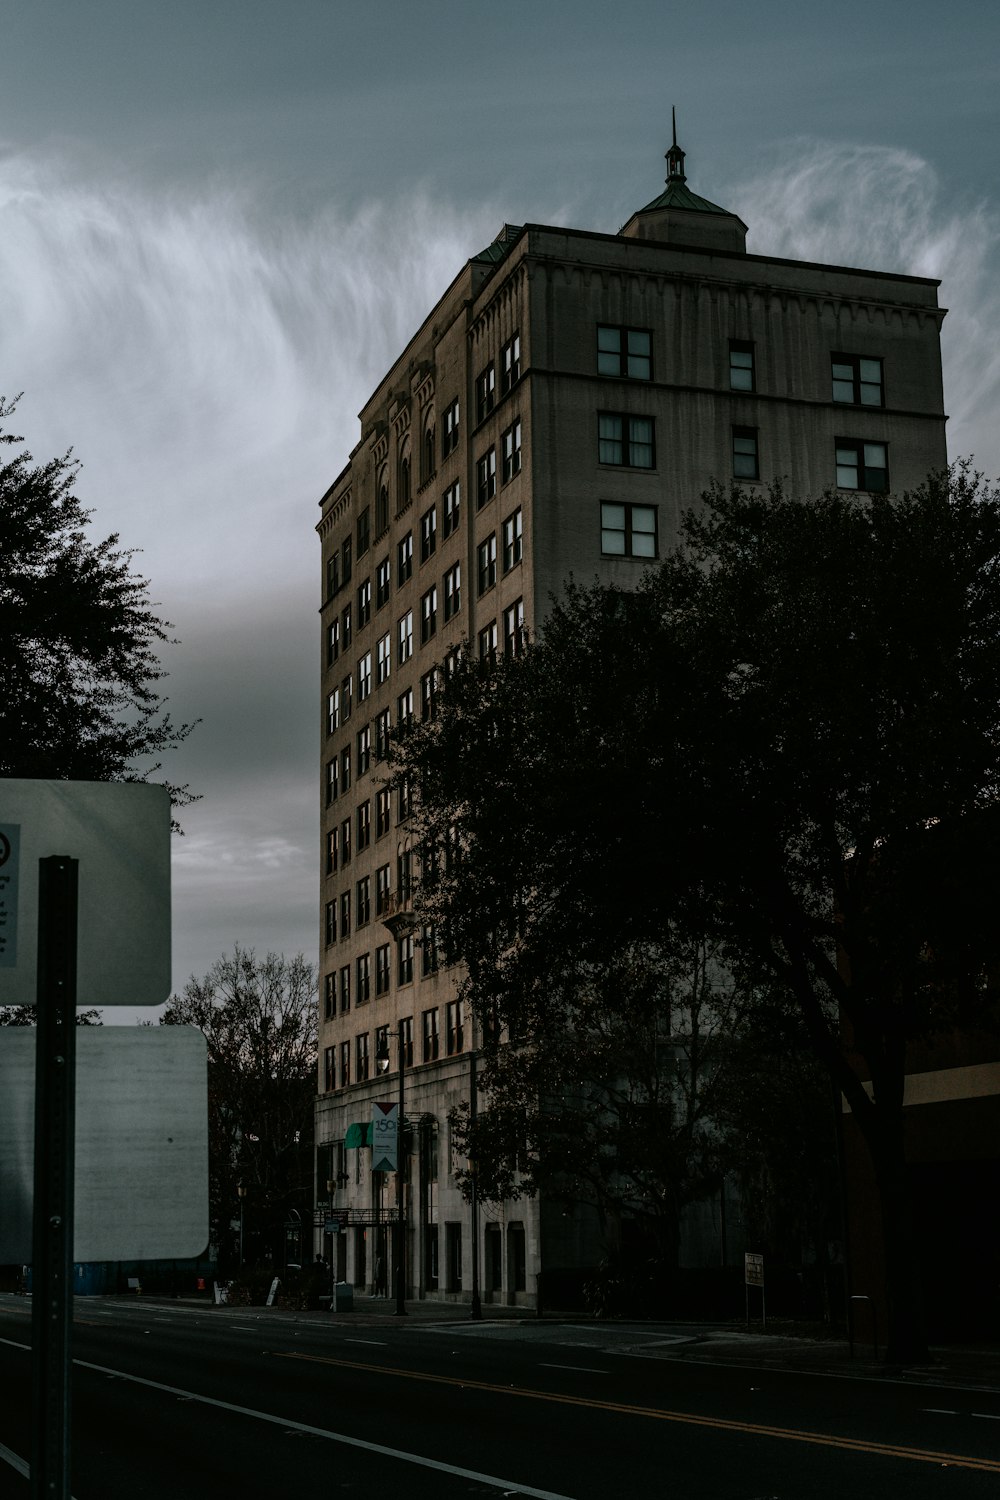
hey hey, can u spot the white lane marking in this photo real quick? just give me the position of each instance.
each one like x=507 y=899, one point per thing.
x=245 y=1327
x=9 y=1456
x=991 y=1416
x=940 y=1411
x=378 y=1343
x=511 y=1486
x=585 y=1369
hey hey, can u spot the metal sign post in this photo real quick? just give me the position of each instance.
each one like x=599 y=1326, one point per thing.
x=52 y=1264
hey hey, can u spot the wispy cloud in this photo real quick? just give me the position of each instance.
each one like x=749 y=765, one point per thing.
x=886 y=209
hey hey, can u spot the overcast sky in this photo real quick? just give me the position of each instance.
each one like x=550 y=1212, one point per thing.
x=221 y=219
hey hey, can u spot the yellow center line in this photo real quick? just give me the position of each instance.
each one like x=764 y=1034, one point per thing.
x=724 y=1424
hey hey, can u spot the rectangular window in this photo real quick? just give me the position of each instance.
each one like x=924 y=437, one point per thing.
x=364 y=748
x=488 y=642
x=857 y=381
x=510 y=448
x=625 y=352
x=404 y=638
x=512 y=540
x=382 y=812
x=404 y=708
x=345 y=627
x=862 y=466
x=345 y=989
x=431 y=1039
x=332 y=642
x=382 y=722
x=486 y=392
x=345 y=842
x=333 y=575
x=364 y=531
x=364 y=603
x=364 y=819
x=428 y=951
x=428 y=695
x=332 y=780
x=449 y=430
x=452 y=591
x=381 y=1042
x=345 y=1064
x=383 y=579
x=406 y=1027
x=513 y=629
x=365 y=677
x=510 y=364
x=331 y=851
x=486 y=563
x=329 y=1074
x=345 y=914
x=453 y=1257
x=330 y=996
x=333 y=711
x=745 y=456
x=361 y=1056
x=428 y=533
x=330 y=924
x=451 y=505
x=345 y=768
x=428 y=615
x=363 y=977
x=628 y=530
x=625 y=441
x=404 y=953
x=404 y=559
x=383 y=658
x=404 y=876
x=742 y=372
x=345 y=560
x=346 y=699
x=404 y=802
x=381 y=889
x=486 y=478
x=382 y=969
x=382 y=506
x=456 y=1027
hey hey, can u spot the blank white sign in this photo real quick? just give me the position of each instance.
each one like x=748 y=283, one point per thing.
x=120 y=833
x=141 y=1143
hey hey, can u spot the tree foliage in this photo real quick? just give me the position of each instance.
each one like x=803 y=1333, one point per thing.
x=259 y=1020
x=786 y=741
x=79 y=672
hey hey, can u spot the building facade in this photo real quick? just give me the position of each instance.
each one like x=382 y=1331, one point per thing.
x=567 y=399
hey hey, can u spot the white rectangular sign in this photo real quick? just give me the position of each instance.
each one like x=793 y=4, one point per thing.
x=385 y=1137
x=120 y=833
x=141 y=1157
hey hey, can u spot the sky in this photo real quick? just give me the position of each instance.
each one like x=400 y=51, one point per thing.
x=220 y=220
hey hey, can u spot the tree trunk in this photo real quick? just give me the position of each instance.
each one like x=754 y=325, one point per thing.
x=906 y=1337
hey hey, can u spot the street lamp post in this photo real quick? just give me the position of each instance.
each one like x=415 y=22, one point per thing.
x=477 y=1306
x=399 y=1236
x=242 y=1191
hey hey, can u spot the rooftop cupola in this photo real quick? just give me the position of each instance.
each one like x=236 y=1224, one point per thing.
x=679 y=217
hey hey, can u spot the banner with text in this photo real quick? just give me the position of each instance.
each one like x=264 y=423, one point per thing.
x=385 y=1137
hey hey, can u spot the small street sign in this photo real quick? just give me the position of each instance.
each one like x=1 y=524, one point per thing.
x=753 y=1269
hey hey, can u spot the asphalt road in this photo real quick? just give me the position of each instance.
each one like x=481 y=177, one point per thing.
x=185 y=1403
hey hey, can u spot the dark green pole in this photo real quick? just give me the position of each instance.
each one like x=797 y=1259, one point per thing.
x=400 y=1256
x=52 y=1248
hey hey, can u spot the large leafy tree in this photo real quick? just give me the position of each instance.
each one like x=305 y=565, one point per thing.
x=79 y=673
x=787 y=739
x=258 y=1016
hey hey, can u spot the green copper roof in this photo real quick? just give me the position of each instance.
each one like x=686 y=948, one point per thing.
x=495 y=252
x=679 y=195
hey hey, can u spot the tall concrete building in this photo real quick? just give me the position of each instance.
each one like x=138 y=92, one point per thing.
x=569 y=396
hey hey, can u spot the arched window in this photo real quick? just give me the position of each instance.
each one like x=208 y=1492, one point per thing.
x=403 y=497
x=428 y=452
x=382 y=504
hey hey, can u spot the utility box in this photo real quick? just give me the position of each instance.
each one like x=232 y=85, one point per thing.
x=343 y=1297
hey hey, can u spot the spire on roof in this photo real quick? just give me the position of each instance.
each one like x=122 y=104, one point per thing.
x=675 y=156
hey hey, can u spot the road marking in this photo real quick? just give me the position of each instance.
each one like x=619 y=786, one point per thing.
x=990 y=1416
x=940 y=1411
x=511 y=1486
x=376 y=1343
x=585 y=1369
x=722 y=1424
x=10 y=1457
